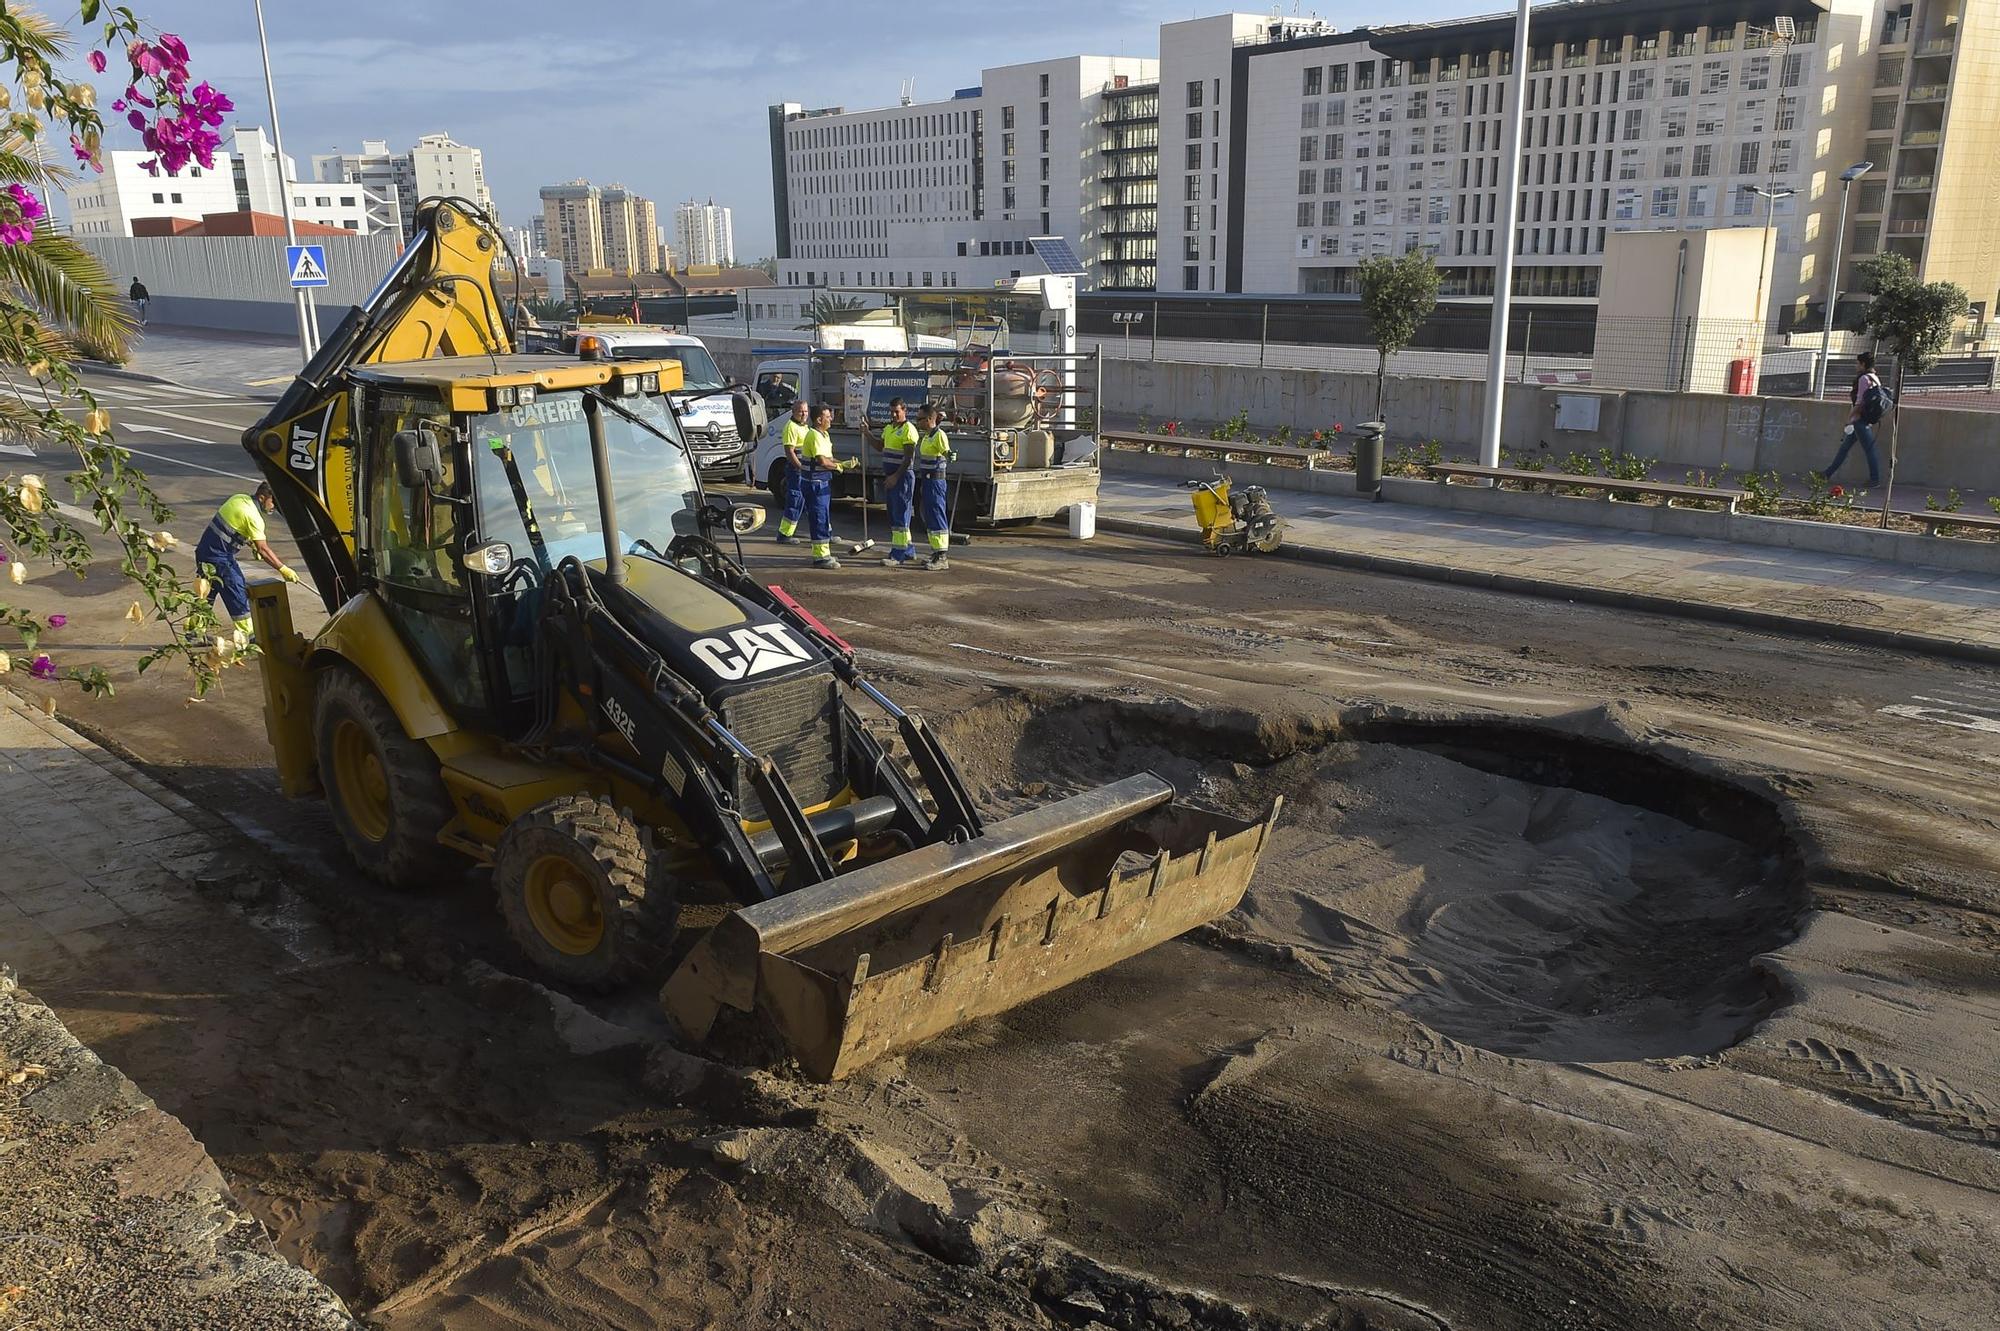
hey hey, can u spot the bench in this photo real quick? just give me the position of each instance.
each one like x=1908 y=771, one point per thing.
x=1935 y=520
x=1185 y=443
x=1443 y=472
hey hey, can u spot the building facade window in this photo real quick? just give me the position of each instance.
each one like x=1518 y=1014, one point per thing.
x=1194 y=92
x=1313 y=76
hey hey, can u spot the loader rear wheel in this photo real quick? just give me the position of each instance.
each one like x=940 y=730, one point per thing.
x=383 y=787
x=582 y=895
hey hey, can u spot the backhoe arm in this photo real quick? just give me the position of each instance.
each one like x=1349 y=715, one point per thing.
x=438 y=300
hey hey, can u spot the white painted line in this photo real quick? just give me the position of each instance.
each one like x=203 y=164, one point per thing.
x=266 y=383
x=174 y=434
x=1958 y=703
x=1938 y=717
x=18 y=451
x=1035 y=661
x=183 y=462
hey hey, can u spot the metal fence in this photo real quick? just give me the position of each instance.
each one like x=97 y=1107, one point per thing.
x=237 y=268
x=1684 y=355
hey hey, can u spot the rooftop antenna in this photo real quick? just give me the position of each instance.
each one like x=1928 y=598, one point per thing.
x=909 y=91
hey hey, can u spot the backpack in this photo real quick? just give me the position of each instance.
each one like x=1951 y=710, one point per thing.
x=1875 y=404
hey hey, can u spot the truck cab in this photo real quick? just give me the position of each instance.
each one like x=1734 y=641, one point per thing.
x=707 y=419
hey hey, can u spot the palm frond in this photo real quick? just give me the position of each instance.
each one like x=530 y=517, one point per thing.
x=68 y=286
x=33 y=32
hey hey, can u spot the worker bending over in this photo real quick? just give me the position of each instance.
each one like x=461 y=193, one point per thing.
x=899 y=480
x=933 y=453
x=239 y=522
x=797 y=426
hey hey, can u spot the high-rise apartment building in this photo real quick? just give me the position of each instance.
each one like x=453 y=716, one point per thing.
x=437 y=166
x=573 y=217
x=631 y=231
x=703 y=234
x=1272 y=155
x=248 y=178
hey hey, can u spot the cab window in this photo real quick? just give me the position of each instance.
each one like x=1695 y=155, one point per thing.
x=413 y=546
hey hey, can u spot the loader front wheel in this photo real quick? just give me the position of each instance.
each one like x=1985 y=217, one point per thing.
x=383 y=787
x=581 y=893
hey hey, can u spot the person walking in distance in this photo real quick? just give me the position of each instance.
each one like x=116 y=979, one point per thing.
x=933 y=454
x=237 y=523
x=141 y=298
x=816 y=483
x=899 y=481
x=797 y=426
x=1870 y=402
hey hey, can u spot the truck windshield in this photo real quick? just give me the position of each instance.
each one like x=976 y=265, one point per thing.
x=550 y=444
x=698 y=368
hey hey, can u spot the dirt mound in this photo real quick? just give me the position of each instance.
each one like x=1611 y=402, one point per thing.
x=1522 y=889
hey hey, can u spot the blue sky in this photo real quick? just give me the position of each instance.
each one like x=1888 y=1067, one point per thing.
x=665 y=96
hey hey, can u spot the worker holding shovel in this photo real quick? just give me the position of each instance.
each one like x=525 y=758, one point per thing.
x=899 y=481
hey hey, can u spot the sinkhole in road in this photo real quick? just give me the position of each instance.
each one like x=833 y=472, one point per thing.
x=1522 y=887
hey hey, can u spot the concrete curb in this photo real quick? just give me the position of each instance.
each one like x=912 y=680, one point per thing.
x=144 y=377
x=1863 y=635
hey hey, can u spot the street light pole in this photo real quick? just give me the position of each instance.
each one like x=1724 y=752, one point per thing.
x=1503 y=271
x=308 y=341
x=1847 y=178
x=1770 y=197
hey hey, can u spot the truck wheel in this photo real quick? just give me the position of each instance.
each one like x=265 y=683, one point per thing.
x=581 y=893
x=383 y=787
x=774 y=480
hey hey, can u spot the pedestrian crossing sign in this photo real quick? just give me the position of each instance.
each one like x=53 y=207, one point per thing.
x=307 y=265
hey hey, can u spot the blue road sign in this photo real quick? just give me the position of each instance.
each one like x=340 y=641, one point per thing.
x=307 y=265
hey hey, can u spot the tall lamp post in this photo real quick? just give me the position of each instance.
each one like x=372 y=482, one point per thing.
x=1503 y=270
x=1770 y=197
x=1847 y=178
x=301 y=298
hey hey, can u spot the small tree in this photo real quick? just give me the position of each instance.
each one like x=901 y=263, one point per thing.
x=831 y=309
x=1914 y=320
x=1397 y=295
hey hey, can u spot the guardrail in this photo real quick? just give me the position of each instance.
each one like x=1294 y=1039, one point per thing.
x=1184 y=445
x=1445 y=472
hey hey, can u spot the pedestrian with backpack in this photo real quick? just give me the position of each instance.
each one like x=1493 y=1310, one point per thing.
x=1871 y=402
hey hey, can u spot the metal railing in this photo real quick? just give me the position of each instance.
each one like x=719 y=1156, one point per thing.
x=1922 y=138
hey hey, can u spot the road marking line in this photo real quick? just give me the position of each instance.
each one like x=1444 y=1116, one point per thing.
x=1938 y=717
x=266 y=383
x=1035 y=661
x=1958 y=703
x=217 y=471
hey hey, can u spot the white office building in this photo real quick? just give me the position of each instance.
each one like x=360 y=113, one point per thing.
x=704 y=235
x=244 y=179
x=1266 y=154
x=436 y=166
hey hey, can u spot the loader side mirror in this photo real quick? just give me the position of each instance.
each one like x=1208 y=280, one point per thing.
x=418 y=466
x=748 y=426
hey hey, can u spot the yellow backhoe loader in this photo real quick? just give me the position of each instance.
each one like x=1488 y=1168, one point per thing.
x=540 y=658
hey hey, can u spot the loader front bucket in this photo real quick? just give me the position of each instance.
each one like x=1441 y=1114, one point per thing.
x=886 y=956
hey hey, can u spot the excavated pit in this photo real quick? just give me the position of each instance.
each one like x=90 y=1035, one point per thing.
x=1524 y=888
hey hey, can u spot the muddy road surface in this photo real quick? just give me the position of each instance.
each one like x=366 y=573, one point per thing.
x=1604 y=971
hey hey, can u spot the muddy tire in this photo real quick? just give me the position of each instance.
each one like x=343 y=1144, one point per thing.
x=774 y=480
x=582 y=895
x=384 y=789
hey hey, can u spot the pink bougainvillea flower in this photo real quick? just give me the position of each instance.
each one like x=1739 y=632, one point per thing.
x=58 y=621
x=97 y=61
x=42 y=667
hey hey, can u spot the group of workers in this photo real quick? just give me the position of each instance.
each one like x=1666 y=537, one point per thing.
x=915 y=456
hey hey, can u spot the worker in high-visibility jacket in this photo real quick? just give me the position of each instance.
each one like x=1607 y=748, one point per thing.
x=797 y=426
x=899 y=481
x=237 y=523
x=933 y=454
x=817 y=467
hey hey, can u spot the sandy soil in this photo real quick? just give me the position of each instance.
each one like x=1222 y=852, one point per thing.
x=1603 y=973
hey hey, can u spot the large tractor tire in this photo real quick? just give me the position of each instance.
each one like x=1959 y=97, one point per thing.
x=387 y=797
x=583 y=896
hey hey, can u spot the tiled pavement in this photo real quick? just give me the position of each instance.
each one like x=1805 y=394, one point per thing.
x=246 y=364
x=91 y=847
x=1827 y=592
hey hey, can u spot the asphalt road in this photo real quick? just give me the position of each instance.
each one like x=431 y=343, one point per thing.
x=1045 y=659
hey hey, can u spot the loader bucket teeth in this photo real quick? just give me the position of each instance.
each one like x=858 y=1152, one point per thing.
x=884 y=957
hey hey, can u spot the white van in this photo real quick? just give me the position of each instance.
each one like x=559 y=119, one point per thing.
x=708 y=422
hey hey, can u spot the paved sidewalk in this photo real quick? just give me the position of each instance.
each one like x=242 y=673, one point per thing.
x=1856 y=600
x=92 y=847
x=240 y=364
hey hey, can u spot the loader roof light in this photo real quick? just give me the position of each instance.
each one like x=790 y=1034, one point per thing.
x=628 y=385
x=590 y=347
x=649 y=382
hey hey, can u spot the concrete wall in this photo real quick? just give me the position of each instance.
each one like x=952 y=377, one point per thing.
x=1939 y=447
x=239 y=283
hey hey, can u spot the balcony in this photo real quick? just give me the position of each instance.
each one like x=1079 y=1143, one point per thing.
x=1542 y=65
x=1915 y=183
x=1685 y=48
x=1923 y=138
x=1612 y=57
x=1895 y=33
x=1575 y=61
x=1937 y=46
x=1930 y=92
x=1909 y=226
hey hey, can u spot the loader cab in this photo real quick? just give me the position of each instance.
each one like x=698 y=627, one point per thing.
x=477 y=480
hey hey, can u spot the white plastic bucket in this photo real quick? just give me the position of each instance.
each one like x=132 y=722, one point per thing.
x=1082 y=521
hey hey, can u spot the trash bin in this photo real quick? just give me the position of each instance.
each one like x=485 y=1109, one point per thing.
x=1368 y=458
x=1082 y=521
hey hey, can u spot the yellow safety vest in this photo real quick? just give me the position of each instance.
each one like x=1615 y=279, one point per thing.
x=898 y=436
x=795 y=433
x=932 y=451
x=815 y=445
